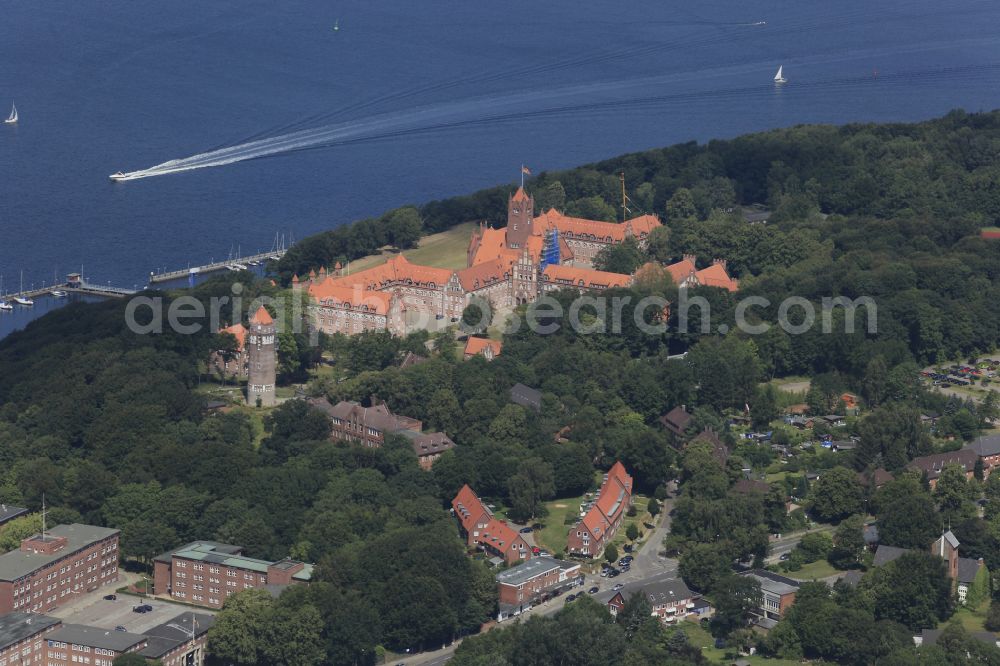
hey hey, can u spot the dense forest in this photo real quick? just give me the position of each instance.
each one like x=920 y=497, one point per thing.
x=111 y=428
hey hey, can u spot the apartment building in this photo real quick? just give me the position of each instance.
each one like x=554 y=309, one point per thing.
x=53 y=568
x=90 y=646
x=22 y=638
x=206 y=573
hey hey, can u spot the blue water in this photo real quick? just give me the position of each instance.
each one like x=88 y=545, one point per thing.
x=128 y=84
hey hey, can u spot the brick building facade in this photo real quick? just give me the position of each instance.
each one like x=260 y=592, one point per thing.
x=206 y=573
x=54 y=568
x=22 y=638
x=522 y=586
x=368 y=426
x=482 y=530
x=82 y=644
x=599 y=525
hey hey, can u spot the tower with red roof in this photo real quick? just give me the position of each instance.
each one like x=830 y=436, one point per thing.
x=262 y=355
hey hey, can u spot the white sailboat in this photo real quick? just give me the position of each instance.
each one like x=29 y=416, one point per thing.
x=19 y=299
x=779 y=77
x=4 y=305
x=12 y=118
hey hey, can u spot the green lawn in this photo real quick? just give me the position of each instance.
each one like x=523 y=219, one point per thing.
x=813 y=571
x=552 y=536
x=972 y=618
x=698 y=636
x=448 y=249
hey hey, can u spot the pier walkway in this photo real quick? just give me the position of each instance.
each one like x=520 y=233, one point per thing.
x=168 y=276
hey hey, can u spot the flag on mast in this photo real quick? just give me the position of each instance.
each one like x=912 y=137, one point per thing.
x=525 y=170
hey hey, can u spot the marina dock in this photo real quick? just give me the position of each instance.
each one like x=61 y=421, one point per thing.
x=168 y=276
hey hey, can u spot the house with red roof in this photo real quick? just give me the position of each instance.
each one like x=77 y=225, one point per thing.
x=232 y=363
x=486 y=532
x=600 y=523
x=488 y=349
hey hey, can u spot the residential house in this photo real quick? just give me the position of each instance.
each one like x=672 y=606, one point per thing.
x=429 y=446
x=777 y=596
x=526 y=396
x=676 y=420
x=589 y=537
x=22 y=638
x=232 y=363
x=834 y=420
x=719 y=450
x=968 y=570
x=522 y=586
x=206 y=573
x=934 y=464
x=875 y=479
x=482 y=530
x=987 y=449
x=961 y=570
x=669 y=598
x=885 y=554
x=488 y=349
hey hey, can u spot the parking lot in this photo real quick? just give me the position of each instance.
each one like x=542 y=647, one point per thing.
x=110 y=614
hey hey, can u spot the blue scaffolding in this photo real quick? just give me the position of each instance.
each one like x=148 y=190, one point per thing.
x=550 y=251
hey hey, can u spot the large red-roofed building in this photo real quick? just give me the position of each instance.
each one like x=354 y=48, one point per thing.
x=481 y=529
x=599 y=525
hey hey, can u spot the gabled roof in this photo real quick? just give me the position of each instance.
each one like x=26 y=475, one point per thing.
x=885 y=554
x=968 y=568
x=397 y=270
x=499 y=535
x=772 y=582
x=584 y=278
x=469 y=508
x=719 y=450
x=331 y=293
x=676 y=420
x=239 y=332
x=716 y=276
x=682 y=270
x=262 y=317
x=658 y=592
x=526 y=396
x=428 y=443
x=484 y=274
x=476 y=345
x=986 y=445
x=520 y=195
x=577 y=227
x=934 y=464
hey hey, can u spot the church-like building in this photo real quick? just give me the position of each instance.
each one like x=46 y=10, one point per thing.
x=507 y=267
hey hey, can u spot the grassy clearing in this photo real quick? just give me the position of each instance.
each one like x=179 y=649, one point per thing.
x=698 y=636
x=639 y=519
x=448 y=249
x=972 y=619
x=813 y=571
x=552 y=536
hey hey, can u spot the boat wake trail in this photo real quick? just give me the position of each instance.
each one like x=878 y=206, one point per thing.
x=572 y=102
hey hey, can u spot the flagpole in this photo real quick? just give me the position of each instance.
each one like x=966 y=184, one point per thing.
x=522 y=176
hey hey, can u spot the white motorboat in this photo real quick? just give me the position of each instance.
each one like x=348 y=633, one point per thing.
x=5 y=306
x=59 y=293
x=20 y=300
x=118 y=176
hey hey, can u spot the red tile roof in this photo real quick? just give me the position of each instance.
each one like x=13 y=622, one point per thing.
x=396 y=270
x=239 y=332
x=585 y=278
x=716 y=276
x=262 y=317
x=484 y=274
x=478 y=345
x=577 y=227
x=329 y=292
x=469 y=508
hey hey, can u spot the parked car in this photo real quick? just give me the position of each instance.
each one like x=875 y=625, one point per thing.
x=144 y=608
x=627 y=547
x=784 y=557
x=120 y=628
x=526 y=530
x=605 y=573
x=613 y=573
x=570 y=598
x=111 y=597
x=593 y=590
x=536 y=551
x=618 y=586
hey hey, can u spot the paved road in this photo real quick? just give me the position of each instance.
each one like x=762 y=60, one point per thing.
x=787 y=543
x=649 y=565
